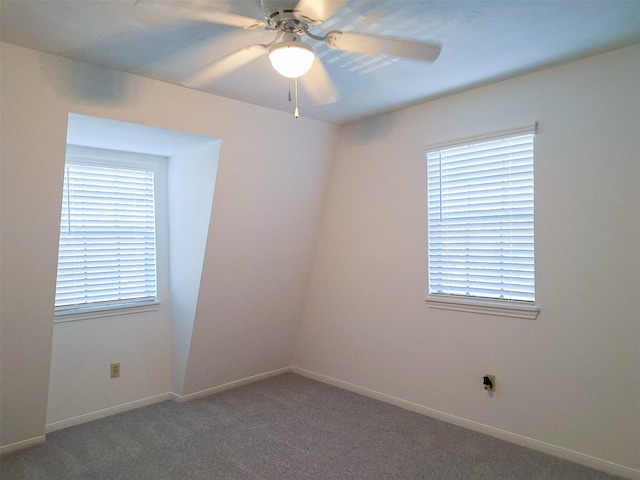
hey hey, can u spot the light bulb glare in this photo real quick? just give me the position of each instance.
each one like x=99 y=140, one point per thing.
x=291 y=59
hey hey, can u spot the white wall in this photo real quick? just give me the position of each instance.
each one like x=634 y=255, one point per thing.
x=192 y=176
x=569 y=378
x=79 y=383
x=266 y=210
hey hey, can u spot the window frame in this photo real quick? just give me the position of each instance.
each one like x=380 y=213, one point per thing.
x=127 y=160
x=476 y=304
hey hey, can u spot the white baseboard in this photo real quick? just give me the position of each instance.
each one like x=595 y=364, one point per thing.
x=556 y=451
x=13 y=447
x=71 y=422
x=88 y=417
x=228 y=386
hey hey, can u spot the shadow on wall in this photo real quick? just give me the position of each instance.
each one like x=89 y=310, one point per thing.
x=161 y=51
x=86 y=83
x=373 y=129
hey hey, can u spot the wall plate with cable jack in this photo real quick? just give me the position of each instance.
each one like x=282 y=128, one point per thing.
x=489 y=382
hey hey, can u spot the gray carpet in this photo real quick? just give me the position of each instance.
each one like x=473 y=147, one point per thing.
x=285 y=427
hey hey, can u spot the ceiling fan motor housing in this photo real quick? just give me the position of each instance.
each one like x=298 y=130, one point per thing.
x=279 y=14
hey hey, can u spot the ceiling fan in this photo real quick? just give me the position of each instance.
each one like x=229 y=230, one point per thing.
x=290 y=21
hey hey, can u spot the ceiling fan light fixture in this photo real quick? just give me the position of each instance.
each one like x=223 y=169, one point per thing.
x=291 y=59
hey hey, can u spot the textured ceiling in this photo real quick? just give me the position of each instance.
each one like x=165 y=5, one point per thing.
x=482 y=41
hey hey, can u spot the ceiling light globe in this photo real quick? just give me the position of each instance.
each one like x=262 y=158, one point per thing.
x=291 y=59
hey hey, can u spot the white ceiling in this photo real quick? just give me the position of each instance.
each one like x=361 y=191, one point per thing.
x=482 y=41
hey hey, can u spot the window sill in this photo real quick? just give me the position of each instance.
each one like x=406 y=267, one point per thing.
x=484 y=307
x=88 y=313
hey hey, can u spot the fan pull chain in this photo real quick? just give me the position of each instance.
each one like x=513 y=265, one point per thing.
x=296 y=113
x=289 y=90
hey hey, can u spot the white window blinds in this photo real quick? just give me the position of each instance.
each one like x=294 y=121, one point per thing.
x=107 y=253
x=480 y=219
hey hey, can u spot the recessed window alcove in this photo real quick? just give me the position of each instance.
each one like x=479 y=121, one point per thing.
x=152 y=347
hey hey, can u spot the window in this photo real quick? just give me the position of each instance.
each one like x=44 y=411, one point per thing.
x=481 y=225
x=107 y=252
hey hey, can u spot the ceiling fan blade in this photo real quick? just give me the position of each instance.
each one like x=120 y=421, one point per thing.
x=224 y=66
x=315 y=12
x=318 y=84
x=195 y=11
x=378 y=45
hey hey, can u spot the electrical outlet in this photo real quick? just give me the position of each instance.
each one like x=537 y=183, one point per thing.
x=115 y=370
x=489 y=382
